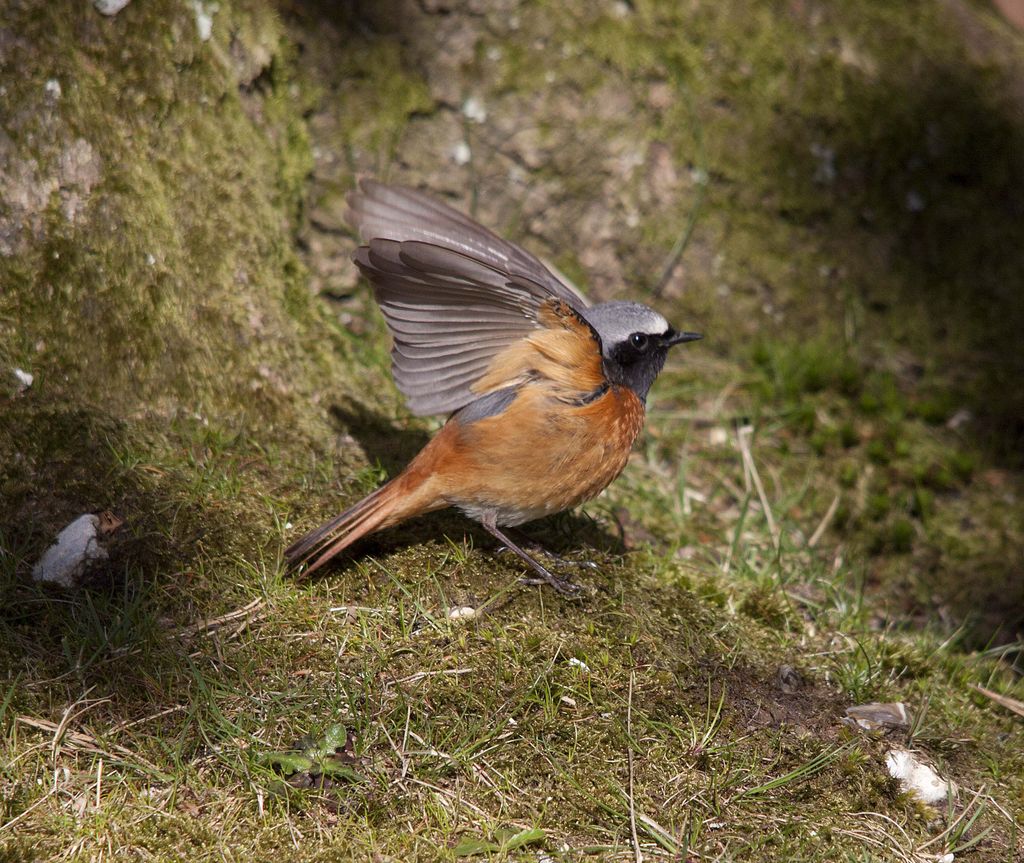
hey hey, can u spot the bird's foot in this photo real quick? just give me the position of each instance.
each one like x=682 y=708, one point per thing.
x=561 y=585
x=560 y=559
x=535 y=548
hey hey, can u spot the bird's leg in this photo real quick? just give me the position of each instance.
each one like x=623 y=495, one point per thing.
x=533 y=547
x=562 y=585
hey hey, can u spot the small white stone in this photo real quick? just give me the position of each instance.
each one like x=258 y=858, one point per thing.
x=915 y=778
x=76 y=547
x=961 y=418
x=110 y=7
x=24 y=379
x=150 y=259
x=718 y=436
x=53 y=88
x=461 y=154
x=473 y=109
x=568 y=701
x=580 y=664
x=463 y=612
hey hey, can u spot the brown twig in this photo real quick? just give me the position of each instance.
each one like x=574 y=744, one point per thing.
x=1002 y=700
x=826 y=520
x=246 y=612
x=82 y=742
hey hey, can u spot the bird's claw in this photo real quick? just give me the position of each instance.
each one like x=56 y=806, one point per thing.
x=561 y=585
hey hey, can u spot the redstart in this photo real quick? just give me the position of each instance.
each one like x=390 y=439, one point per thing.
x=545 y=392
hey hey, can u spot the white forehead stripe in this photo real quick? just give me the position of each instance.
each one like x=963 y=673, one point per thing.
x=658 y=326
x=616 y=322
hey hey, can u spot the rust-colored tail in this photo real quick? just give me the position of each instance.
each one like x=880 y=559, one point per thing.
x=373 y=512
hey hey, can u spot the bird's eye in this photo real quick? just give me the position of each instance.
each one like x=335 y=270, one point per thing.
x=638 y=341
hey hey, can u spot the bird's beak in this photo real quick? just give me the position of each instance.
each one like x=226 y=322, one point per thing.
x=673 y=338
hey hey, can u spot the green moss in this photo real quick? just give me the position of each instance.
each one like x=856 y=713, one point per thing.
x=195 y=208
x=936 y=409
x=848 y=435
x=900 y=536
x=878 y=506
x=882 y=396
x=383 y=109
x=806 y=367
x=879 y=451
x=922 y=503
x=946 y=471
x=765 y=605
x=962 y=464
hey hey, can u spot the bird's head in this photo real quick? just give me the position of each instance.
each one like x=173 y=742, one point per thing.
x=635 y=341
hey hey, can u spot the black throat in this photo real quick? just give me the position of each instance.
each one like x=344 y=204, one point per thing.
x=627 y=369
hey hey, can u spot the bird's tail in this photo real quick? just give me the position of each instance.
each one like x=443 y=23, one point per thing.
x=373 y=512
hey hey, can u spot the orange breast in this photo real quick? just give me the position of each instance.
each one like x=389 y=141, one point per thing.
x=538 y=457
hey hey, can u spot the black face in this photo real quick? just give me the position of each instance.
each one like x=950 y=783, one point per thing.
x=636 y=362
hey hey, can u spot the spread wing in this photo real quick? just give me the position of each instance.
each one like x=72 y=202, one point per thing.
x=454 y=295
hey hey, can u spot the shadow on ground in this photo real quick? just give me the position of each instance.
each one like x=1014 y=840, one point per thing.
x=917 y=194
x=924 y=209
x=68 y=464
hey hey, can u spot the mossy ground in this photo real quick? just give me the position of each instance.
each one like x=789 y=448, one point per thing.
x=847 y=170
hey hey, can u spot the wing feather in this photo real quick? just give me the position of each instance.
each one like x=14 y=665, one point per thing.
x=456 y=351
x=454 y=295
x=399 y=213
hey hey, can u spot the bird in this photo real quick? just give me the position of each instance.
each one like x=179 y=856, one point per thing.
x=545 y=393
